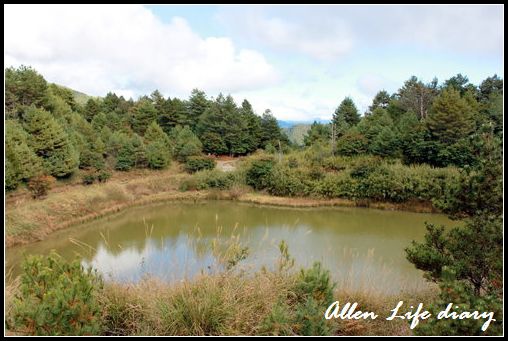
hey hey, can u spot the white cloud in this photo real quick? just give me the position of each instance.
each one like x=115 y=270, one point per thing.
x=96 y=49
x=370 y=84
x=330 y=32
x=325 y=41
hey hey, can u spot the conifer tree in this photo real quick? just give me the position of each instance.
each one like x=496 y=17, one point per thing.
x=21 y=161
x=450 y=117
x=345 y=116
x=142 y=114
x=50 y=142
x=186 y=143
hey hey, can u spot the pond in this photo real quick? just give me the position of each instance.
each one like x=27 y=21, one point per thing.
x=363 y=248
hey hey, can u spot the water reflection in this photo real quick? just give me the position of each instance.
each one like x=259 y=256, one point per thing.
x=362 y=248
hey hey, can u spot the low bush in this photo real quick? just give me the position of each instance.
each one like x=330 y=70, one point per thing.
x=103 y=175
x=258 y=173
x=301 y=312
x=88 y=179
x=197 y=163
x=284 y=181
x=336 y=186
x=57 y=298
x=209 y=179
x=92 y=176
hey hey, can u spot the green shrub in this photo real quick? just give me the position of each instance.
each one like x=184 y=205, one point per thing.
x=88 y=179
x=361 y=167
x=336 y=186
x=91 y=176
x=315 y=283
x=57 y=298
x=314 y=290
x=292 y=162
x=157 y=154
x=90 y=159
x=103 y=176
x=463 y=297
x=189 y=184
x=334 y=163
x=197 y=310
x=301 y=313
x=258 y=173
x=315 y=155
x=351 y=143
x=208 y=179
x=197 y=163
x=285 y=181
x=278 y=322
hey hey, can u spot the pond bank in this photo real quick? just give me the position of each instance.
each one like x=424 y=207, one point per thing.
x=29 y=220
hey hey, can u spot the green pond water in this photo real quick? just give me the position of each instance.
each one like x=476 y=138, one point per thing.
x=362 y=248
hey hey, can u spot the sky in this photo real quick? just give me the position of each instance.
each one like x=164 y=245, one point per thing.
x=298 y=61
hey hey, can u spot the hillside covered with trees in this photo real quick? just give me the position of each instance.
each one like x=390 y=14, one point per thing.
x=48 y=132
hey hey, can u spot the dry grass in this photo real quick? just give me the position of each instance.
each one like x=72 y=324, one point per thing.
x=229 y=304
x=223 y=304
x=28 y=220
x=264 y=199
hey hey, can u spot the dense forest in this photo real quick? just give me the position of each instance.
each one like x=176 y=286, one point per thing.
x=49 y=132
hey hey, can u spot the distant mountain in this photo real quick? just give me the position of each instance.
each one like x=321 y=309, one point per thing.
x=79 y=97
x=296 y=133
x=296 y=130
x=289 y=124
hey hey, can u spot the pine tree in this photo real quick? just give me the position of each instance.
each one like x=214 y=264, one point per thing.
x=158 y=101
x=21 y=161
x=381 y=100
x=253 y=126
x=318 y=133
x=50 y=142
x=125 y=159
x=158 y=147
x=197 y=105
x=111 y=103
x=417 y=97
x=116 y=142
x=213 y=126
x=186 y=143
x=154 y=133
x=92 y=108
x=270 y=130
x=23 y=87
x=142 y=114
x=157 y=155
x=139 y=151
x=385 y=143
x=171 y=113
x=65 y=94
x=450 y=117
x=345 y=116
x=99 y=121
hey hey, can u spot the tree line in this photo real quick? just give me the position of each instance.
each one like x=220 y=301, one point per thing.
x=49 y=132
x=421 y=123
